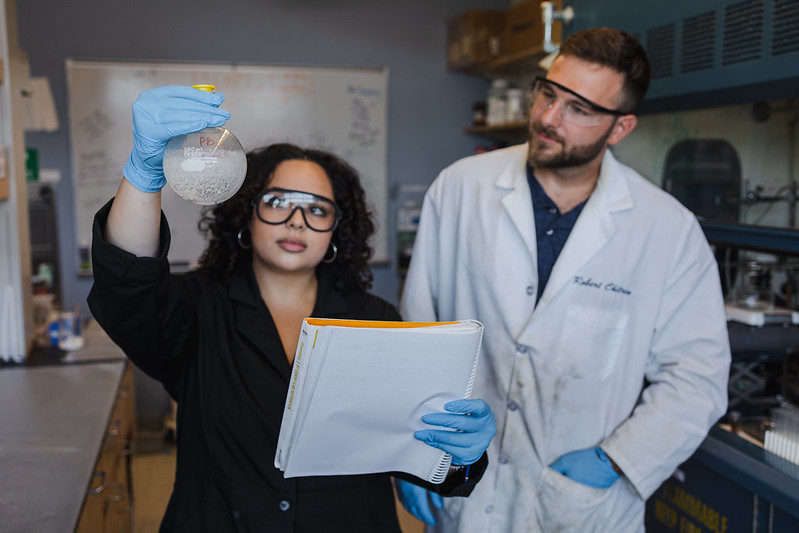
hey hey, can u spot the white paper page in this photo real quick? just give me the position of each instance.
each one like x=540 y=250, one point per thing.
x=371 y=397
x=292 y=406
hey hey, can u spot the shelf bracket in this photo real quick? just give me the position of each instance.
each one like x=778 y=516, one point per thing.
x=548 y=16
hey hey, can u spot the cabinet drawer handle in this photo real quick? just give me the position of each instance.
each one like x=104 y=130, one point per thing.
x=101 y=487
x=126 y=449
x=114 y=428
x=120 y=492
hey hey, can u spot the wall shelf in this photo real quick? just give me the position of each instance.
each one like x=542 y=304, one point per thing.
x=523 y=62
x=512 y=132
x=759 y=238
x=510 y=128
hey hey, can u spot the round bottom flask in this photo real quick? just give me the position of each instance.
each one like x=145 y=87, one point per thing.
x=205 y=167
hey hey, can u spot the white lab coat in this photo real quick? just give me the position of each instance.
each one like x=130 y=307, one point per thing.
x=634 y=295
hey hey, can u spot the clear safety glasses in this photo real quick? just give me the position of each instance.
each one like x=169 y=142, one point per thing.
x=574 y=108
x=276 y=206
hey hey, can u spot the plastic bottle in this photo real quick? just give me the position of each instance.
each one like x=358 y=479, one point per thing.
x=408 y=214
x=205 y=167
x=496 y=102
x=479 y=114
x=514 y=111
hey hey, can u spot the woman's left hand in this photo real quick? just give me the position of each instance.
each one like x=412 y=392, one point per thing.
x=474 y=422
x=417 y=500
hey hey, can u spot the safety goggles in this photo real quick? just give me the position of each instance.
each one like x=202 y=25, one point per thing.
x=574 y=108
x=276 y=206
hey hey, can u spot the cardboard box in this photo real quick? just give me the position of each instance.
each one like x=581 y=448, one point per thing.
x=524 y=28
x=474 y=37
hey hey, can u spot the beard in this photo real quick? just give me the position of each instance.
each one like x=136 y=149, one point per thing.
x=574 y=156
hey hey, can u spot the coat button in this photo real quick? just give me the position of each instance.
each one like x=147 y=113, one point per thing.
x=521 y=350
x=513 y=405
x=550 y=231
x=530 y=290
x=489 y=509
x=284 y=505
x=503 y=459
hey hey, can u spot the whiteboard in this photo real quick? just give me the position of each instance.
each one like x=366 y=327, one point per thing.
x=343 y=111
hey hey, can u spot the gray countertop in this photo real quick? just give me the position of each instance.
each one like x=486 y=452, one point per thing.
x=52 y=423
x=98 y=347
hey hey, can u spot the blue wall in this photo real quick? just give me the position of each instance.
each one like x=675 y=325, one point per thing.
x=428 y=106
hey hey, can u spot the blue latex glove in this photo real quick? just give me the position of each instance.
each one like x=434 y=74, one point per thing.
x=416 y=500
x=475 y=424
x=160 y=114
x=590 y=467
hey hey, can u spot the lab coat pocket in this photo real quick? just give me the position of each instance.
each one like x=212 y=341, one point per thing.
x=590 y=342
x=567 y=505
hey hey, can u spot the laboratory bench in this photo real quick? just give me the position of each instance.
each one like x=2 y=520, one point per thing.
x=732 y=483
x=66 y=423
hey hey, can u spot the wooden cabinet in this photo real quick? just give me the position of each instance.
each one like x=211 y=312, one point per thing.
x=109 y=504
x=702 y=54
x=521 y=49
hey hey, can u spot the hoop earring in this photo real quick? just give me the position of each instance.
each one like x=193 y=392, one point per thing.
x=333 y=257
x=242 y=244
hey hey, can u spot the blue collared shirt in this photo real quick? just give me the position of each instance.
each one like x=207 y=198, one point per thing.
x=551 y=227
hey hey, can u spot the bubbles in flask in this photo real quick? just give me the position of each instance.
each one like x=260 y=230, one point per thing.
x=205 y=167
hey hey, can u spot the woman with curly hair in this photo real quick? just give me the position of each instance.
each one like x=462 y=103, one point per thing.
x=292 y=243
x=350 y=251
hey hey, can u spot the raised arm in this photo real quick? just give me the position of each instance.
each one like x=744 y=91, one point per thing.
x=158 y=115
x=134 y=221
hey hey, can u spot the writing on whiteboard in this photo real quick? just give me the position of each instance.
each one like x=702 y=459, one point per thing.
x=364 y=103
x=343 y=111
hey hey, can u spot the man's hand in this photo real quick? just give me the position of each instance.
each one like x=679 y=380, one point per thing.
x=590 y=467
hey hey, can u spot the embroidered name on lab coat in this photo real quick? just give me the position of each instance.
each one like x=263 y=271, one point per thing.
x=600 y=285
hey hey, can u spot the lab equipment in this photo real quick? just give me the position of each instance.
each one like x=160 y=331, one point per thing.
x=515 y=109
x=782 y=438
x=69 y=334
x=205 y=167
x=574 y=107
x=277 y=206
x=751 y=301
x=497 y=102
x=735 y=477
x=411 y=197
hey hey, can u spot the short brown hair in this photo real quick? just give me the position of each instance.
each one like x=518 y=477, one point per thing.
x=618 y=50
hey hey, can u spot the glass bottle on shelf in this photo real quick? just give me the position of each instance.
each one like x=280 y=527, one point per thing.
x=411 y=197
x=497 y=102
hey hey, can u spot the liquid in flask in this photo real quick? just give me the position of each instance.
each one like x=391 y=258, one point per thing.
x=205 y=167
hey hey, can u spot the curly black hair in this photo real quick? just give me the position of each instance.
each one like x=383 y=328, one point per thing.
x=221 y=223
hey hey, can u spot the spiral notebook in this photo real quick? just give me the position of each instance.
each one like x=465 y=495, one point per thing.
x=359 y=388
